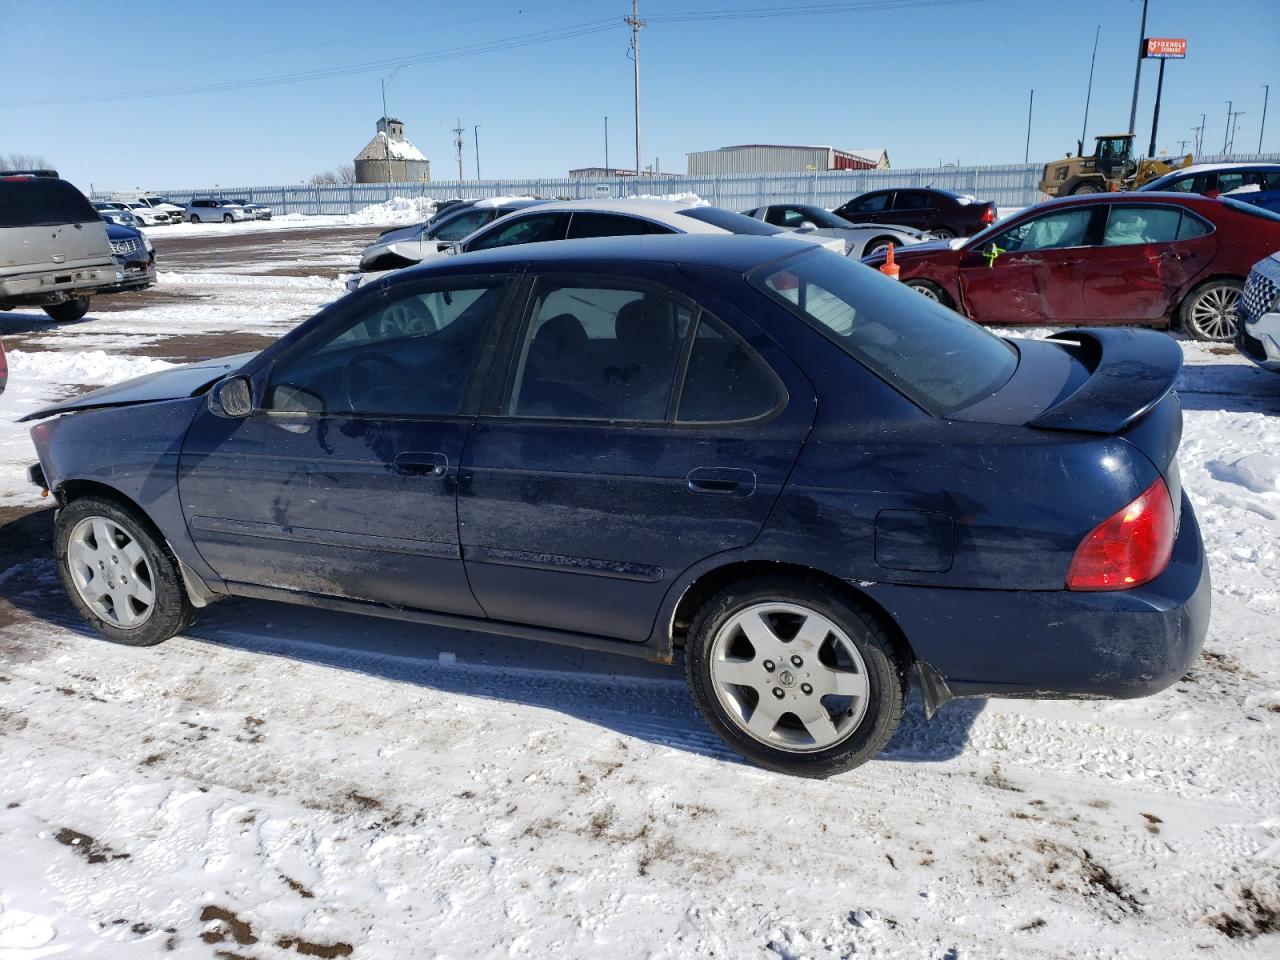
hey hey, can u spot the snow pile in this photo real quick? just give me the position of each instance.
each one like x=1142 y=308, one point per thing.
x=247 y=280
x=94 y=367
x=1258 y=472
x=689 y=198
x=399 y=149
x=394 y=211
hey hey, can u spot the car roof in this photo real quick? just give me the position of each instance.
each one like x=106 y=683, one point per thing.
x=1148 y=197
x=1214 y=167
x=725 y=251
x=669 y=212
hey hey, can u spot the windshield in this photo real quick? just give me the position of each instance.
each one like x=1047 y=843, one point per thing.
x=824 y=218
x=930 y=353
x=733 y=222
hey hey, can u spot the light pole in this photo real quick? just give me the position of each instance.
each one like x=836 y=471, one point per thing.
x=1266 y=94
x=1031 y=103
x=606 y=146
x=476 y=132
x=1137 y=71
x=636 y=24
x=1226 y=133
x=386 y=127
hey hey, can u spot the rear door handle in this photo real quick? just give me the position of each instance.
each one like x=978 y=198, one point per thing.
x=722 y=481
x=421 y=464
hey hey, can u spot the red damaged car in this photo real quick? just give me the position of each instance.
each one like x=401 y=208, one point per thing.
x=1148 y=259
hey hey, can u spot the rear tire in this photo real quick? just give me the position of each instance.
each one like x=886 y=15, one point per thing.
x=120 y=576
x=194 y=218
x=944 y=233
x=931 y=290
x=68 y=310
x=795 y=678
x=1210 y=310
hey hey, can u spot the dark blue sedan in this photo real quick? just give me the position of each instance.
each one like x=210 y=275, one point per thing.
x=805 y=475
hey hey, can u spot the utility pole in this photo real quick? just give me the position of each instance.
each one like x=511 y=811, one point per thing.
x=1026 y=155
x=1226 y=133
x=386 y=128
x=1266 y=87
x=476 y=131
x=1137 y=72
x=636 y=25
x=1084 y=130
x=1182 y=147
x=1232 y=145
x=1199 y=132
x=458 y=142
x=606 y=146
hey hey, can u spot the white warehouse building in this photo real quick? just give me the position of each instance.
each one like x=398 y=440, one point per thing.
x=749 y=158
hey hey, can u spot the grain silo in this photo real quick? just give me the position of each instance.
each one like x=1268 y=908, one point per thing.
x=389 y=157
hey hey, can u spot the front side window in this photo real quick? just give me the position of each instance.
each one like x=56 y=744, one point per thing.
x=933 y=355
x=874 y=203
x=462 y=225
x=1065 y=228
x=533 y=229
x=597 y=352
x=408 y=352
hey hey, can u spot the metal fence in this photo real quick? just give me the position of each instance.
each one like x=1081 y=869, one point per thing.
x=1009 y=185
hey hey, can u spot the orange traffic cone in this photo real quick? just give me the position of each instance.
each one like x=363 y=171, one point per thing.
x=889 y=268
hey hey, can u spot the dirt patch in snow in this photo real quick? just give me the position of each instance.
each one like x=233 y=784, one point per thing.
x=1254 y=916
x=26 y=564
x=204 y=346
x=92 y=850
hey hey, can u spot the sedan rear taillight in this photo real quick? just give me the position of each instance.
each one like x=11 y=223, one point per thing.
x=1129 y=548
x=989 y=215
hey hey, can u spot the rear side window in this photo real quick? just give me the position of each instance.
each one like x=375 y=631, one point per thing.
x=598 y=352
x=724 y=380
x=931 y=354
x=1131 y=224
x=584 y=225
x=912 y=200
x=42 y=202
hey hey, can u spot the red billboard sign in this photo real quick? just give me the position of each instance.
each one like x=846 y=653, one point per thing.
x=1165 y=48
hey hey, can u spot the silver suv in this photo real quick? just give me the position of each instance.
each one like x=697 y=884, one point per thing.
x=212 y=209
x=53 y=247
x=1258 y=333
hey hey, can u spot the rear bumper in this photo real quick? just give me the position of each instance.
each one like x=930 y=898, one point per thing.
x=53 y=286
x=1061 y=644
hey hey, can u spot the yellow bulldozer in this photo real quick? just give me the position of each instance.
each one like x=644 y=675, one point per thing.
x=1111 y=167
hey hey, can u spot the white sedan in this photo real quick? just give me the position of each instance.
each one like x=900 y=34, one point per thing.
x=863 y=239
x=584 y=219
x=148 y=216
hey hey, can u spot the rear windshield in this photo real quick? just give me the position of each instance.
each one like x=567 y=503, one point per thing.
x=933 y=355
x=42 y=202
x=733 y=222
x=1249 y=208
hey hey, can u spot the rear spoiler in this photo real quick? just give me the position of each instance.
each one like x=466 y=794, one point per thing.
x=1131 y=371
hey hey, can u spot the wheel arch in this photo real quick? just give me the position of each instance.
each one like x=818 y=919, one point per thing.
x=1194 y=287
x=708 y=582
x=198 y=592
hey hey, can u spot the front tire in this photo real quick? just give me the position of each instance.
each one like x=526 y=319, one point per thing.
x=120 y=576
x=944 y=233
x=931 y=291
x=794 y=678
x=194 y=218
x=1211 y=311
x=227 y=218
x=68 y=310
x=1087 y=187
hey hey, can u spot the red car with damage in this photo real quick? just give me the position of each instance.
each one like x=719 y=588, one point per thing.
x=1145 y=259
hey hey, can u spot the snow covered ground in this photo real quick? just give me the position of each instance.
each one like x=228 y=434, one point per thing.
x=397 y=211
x=283 y=783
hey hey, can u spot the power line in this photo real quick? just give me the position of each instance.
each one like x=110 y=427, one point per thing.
x=450 y=53
x=116 y=67
x=802 y=10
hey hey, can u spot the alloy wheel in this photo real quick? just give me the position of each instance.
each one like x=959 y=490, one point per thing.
x=111 y=572
x=1214 y=313
x=789 y=677
x=926 y=291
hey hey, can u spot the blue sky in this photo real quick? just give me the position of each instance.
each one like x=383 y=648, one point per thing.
x=944 y=81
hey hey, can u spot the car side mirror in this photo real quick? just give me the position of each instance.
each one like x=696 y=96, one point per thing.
x=808 y=225
x=231 y=398
x=453 y=249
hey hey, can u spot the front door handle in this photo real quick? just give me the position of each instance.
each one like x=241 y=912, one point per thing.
x=421 y=464
x=722 y=481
